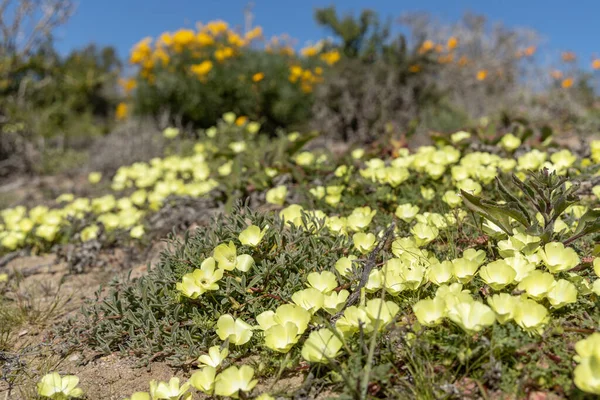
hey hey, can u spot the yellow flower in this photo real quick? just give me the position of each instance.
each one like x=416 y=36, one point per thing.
x=344 y=265
x=558 y=258
x=257 y=77
x=364 y=242
x=56 y=387
x=406 y=212
x=121 y=111
x=537 y=284
x=587 y=374
x=510 y=142
x=321 y=346
x=202 y=69
x=352 y=320
x=521 y=265
x=531 y=316
x=334 y=301
x=137 y=232
x=452 y=198
x=459 y=136
x=310 y=299
x=440 y=273
x=381 y=312
x=563 y=293
x=424 y=234
x=233 y=379
x=170 y=132
x=360 y=218
x=504 y=306
x=89 y=233
x=284 y=314
x=281 y=338
x=497 y=274
x=252 y=235
x=201 y=280
x=94 y=177
x=253 y=127
x=587 y=347
x=482 y=74
x=324 y=282
x=169 y=390
x=277 y=195
x=204 y=379
x=139 y=396
x=427 y=193
x=472 y=316
x=304 y=158
x=237 y=331
x=430 y=312
x=215 y=356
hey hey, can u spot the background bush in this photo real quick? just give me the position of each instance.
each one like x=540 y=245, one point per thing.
x=194 y=77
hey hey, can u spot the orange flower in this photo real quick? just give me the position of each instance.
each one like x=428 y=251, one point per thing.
x=445 y=59
x=331 y=57
x=254 y=33
x=165 y=39
x=295 y=73
x=127 y=84
x=161 y=54
x=204 y=39
x=309 y=51
x=286 y=51
x=452 y=43
x=183 y=38
x=257 y=77
x=200 y=70
x=530 y=51
x=241 y=120
x=318 y=70
x=216 y=27
x=414 y=68
x=482 y=74
x=223 y=54
x=463 y=60
x=235 y=40
x=427 y=45
x=567 y=83
x=568 y=56
x=141 y=51
x=556 y=74
x=596 y=63
x=121 y=111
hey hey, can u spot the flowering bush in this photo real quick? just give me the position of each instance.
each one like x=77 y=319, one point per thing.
x=197 y=75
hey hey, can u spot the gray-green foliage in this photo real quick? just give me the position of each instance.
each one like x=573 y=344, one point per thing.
x=146 y=317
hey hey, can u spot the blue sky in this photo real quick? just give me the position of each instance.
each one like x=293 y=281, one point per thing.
x=564 y=25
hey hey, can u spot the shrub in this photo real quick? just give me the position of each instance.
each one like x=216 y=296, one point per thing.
x=196 y=76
